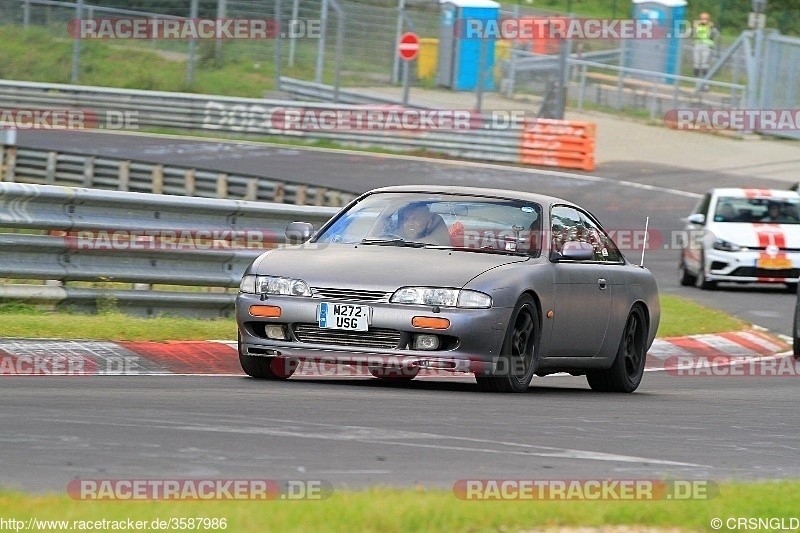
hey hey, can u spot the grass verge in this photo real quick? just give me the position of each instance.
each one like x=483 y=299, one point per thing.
x=679 y=317
x=389 y=510
x=23 y=321
x=682 y=317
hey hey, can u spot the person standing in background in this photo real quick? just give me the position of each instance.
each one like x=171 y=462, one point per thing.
x=705 y=42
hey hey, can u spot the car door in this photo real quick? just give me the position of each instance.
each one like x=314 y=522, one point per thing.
x=582 y=291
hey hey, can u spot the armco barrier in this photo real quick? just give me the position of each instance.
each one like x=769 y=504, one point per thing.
x=46 y=167
x=109 y=236
x=487 y=139
x=558 y=143
x=319 y=92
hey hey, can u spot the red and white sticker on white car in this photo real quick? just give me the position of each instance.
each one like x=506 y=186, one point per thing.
x=757 y=193
x=772 y=238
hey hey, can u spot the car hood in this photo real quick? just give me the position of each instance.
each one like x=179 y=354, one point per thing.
x=758 y=235
x=372 y=267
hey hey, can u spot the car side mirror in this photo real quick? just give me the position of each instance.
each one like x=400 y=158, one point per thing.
x=697 y=218
x=577 y=251
x=299 y=232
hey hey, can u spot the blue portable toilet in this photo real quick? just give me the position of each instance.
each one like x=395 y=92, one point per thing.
x=662 y=54
x=460 y=53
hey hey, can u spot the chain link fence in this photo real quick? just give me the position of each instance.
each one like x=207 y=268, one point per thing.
x=780 y=87
x=352 y=43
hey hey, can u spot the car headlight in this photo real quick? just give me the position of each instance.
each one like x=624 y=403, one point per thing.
x=725 y=246
x=274 y=285
x=441 y=297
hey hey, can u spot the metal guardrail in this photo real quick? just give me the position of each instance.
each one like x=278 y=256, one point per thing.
x=221 y=114
x=104 y=236
x=319 y=92
x=45 y=167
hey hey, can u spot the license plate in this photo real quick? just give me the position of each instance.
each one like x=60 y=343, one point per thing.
x=344 y=316
x=774 y=263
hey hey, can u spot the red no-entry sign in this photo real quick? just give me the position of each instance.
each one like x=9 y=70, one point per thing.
x=408 y=46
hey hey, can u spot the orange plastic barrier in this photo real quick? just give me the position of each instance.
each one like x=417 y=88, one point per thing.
x=558 y=143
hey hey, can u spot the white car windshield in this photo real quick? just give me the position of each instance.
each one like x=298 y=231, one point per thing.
x=757 y=210
x=472 y=223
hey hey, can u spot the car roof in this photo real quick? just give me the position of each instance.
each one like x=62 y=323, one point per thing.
x=477 y=191
x=754 y=193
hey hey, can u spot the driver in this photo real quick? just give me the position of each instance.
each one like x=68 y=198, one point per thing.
x=416 y=222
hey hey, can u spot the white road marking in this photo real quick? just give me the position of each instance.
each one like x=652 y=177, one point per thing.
x=367 y=435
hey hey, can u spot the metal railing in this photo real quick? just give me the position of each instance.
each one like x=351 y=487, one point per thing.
x=89 y=235
x=319 y=92
x=46 y=167
x=242 y=116
x=657 y=92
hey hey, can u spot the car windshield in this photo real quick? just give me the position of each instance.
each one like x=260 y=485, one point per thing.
x=471 y=223
x=758 y=210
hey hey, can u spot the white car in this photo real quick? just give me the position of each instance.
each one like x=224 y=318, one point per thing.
x=742 y=235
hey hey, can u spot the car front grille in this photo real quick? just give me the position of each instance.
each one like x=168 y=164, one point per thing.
x=350 y=295
x=764 y=249
x=372 y=338
x=766 y=273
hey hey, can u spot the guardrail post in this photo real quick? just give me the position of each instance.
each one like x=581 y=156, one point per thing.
x=158 y=179
x=279 y=193
x=582 y=89
x=189 y=182
x=50 y=168
x=320 y=199
x=88 y=172
x=124 y=175
x=300 y=195
x=222 y=186
x=11 y=166
x=252 y=190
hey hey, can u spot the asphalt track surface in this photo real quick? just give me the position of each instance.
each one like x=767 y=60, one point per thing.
x=359 y=432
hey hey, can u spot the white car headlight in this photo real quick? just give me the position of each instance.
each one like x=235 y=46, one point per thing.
x=441 y=297
x=725 y=246
x=474 y=299
x=274 y=285
x=248 y=284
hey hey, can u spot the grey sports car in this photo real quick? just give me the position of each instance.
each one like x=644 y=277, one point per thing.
x=499 y=283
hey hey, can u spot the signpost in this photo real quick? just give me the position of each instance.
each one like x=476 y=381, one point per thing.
x=407 y=49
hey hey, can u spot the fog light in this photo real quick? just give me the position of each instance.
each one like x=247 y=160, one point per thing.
x=275 y=332
x=426 y=342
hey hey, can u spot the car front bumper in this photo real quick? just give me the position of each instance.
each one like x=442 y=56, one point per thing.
x=471 y=343
x=752 y=266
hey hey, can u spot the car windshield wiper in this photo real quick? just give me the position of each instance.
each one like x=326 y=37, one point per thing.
x=491 y=250
x=394 y=242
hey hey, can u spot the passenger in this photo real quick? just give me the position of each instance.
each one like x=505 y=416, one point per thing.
x=792 y=213
x=773 y=213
